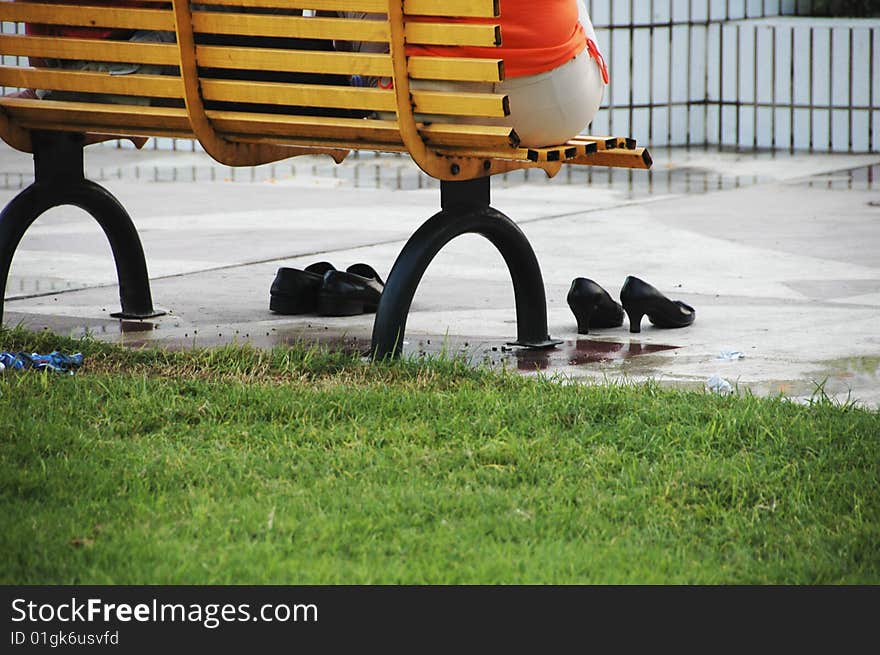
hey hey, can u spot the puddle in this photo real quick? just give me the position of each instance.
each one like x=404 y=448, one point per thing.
x=26 y=286
x=844 y=381
x=582 y=352
x=396 y=172
x=137 y=326
x=258 y=339
x=477 y=351
x=865 y=178
x=855 y=367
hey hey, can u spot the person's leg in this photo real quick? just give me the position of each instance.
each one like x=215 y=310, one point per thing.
x=550 y=108
x=545 y=109
x=27 y=94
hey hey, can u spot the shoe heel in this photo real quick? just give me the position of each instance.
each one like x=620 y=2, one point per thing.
x=338 y=306
x=583 y=315
x=635 y=316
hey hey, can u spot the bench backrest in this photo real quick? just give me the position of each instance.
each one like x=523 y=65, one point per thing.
x=198 y=76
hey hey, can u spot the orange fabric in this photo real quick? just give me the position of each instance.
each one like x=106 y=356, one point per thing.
x=536 y=37
x=596 y=54
x=86 y=32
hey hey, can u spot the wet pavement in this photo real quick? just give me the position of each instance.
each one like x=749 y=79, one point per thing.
x=777 y=253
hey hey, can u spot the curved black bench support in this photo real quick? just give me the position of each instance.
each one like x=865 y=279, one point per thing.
x=58 y=166
x=465 y=209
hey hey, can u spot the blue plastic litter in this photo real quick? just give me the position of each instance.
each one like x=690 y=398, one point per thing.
x=54 y=361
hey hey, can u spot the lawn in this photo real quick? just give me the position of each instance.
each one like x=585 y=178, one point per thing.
x=302 y=466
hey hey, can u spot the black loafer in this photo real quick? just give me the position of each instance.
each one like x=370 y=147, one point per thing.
x=296 y=292
x=365 y=270
x=344 y=293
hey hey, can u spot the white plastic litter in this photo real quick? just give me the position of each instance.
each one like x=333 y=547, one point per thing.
x=2 y=367
x=730 y=355
x=717 y=384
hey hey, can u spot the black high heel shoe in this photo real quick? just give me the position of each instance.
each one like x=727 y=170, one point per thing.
x=640 y=298
x=592 y=306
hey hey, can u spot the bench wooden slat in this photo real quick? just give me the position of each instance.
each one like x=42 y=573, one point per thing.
x=561 y=153
x=298 y=95
x=343 y=63
x=351 y=129
x=584 y=147
x=488 y=36
x=114 y=51
x=295 y=127
x=470 y=136
x=56 y=14
x=554 y=153
x=464 y=8
x=456 y=68
x=314 y=141
x=609 y=142
x=446 y=103
x=371 y=6
x=293 y=61
x=601 y=142
x=313 y=146
x=507 y=154
x=112 y=132
x=161 y=19
x=617 y=158
x=163 y=121
x=154 y=86
x=209 y=22
x=346 y=97
x=469 y=8
x=36 y=114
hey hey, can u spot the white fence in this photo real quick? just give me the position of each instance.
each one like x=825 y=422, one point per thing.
x=747 y=73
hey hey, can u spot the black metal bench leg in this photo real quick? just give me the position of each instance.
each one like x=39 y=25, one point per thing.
x=58 y=164
x=465 y=209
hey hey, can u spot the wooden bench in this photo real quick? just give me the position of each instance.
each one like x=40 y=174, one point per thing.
x=462 y=157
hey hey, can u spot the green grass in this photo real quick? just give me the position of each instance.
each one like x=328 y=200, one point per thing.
x=300 y=466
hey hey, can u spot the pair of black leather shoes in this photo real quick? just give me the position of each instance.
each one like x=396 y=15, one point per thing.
x=322 y=289
x=593 y=307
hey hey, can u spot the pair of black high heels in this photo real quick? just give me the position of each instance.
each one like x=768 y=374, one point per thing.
x=593 y=307
x=323 y=290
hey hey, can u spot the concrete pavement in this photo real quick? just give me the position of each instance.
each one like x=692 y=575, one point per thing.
x=777 y=253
